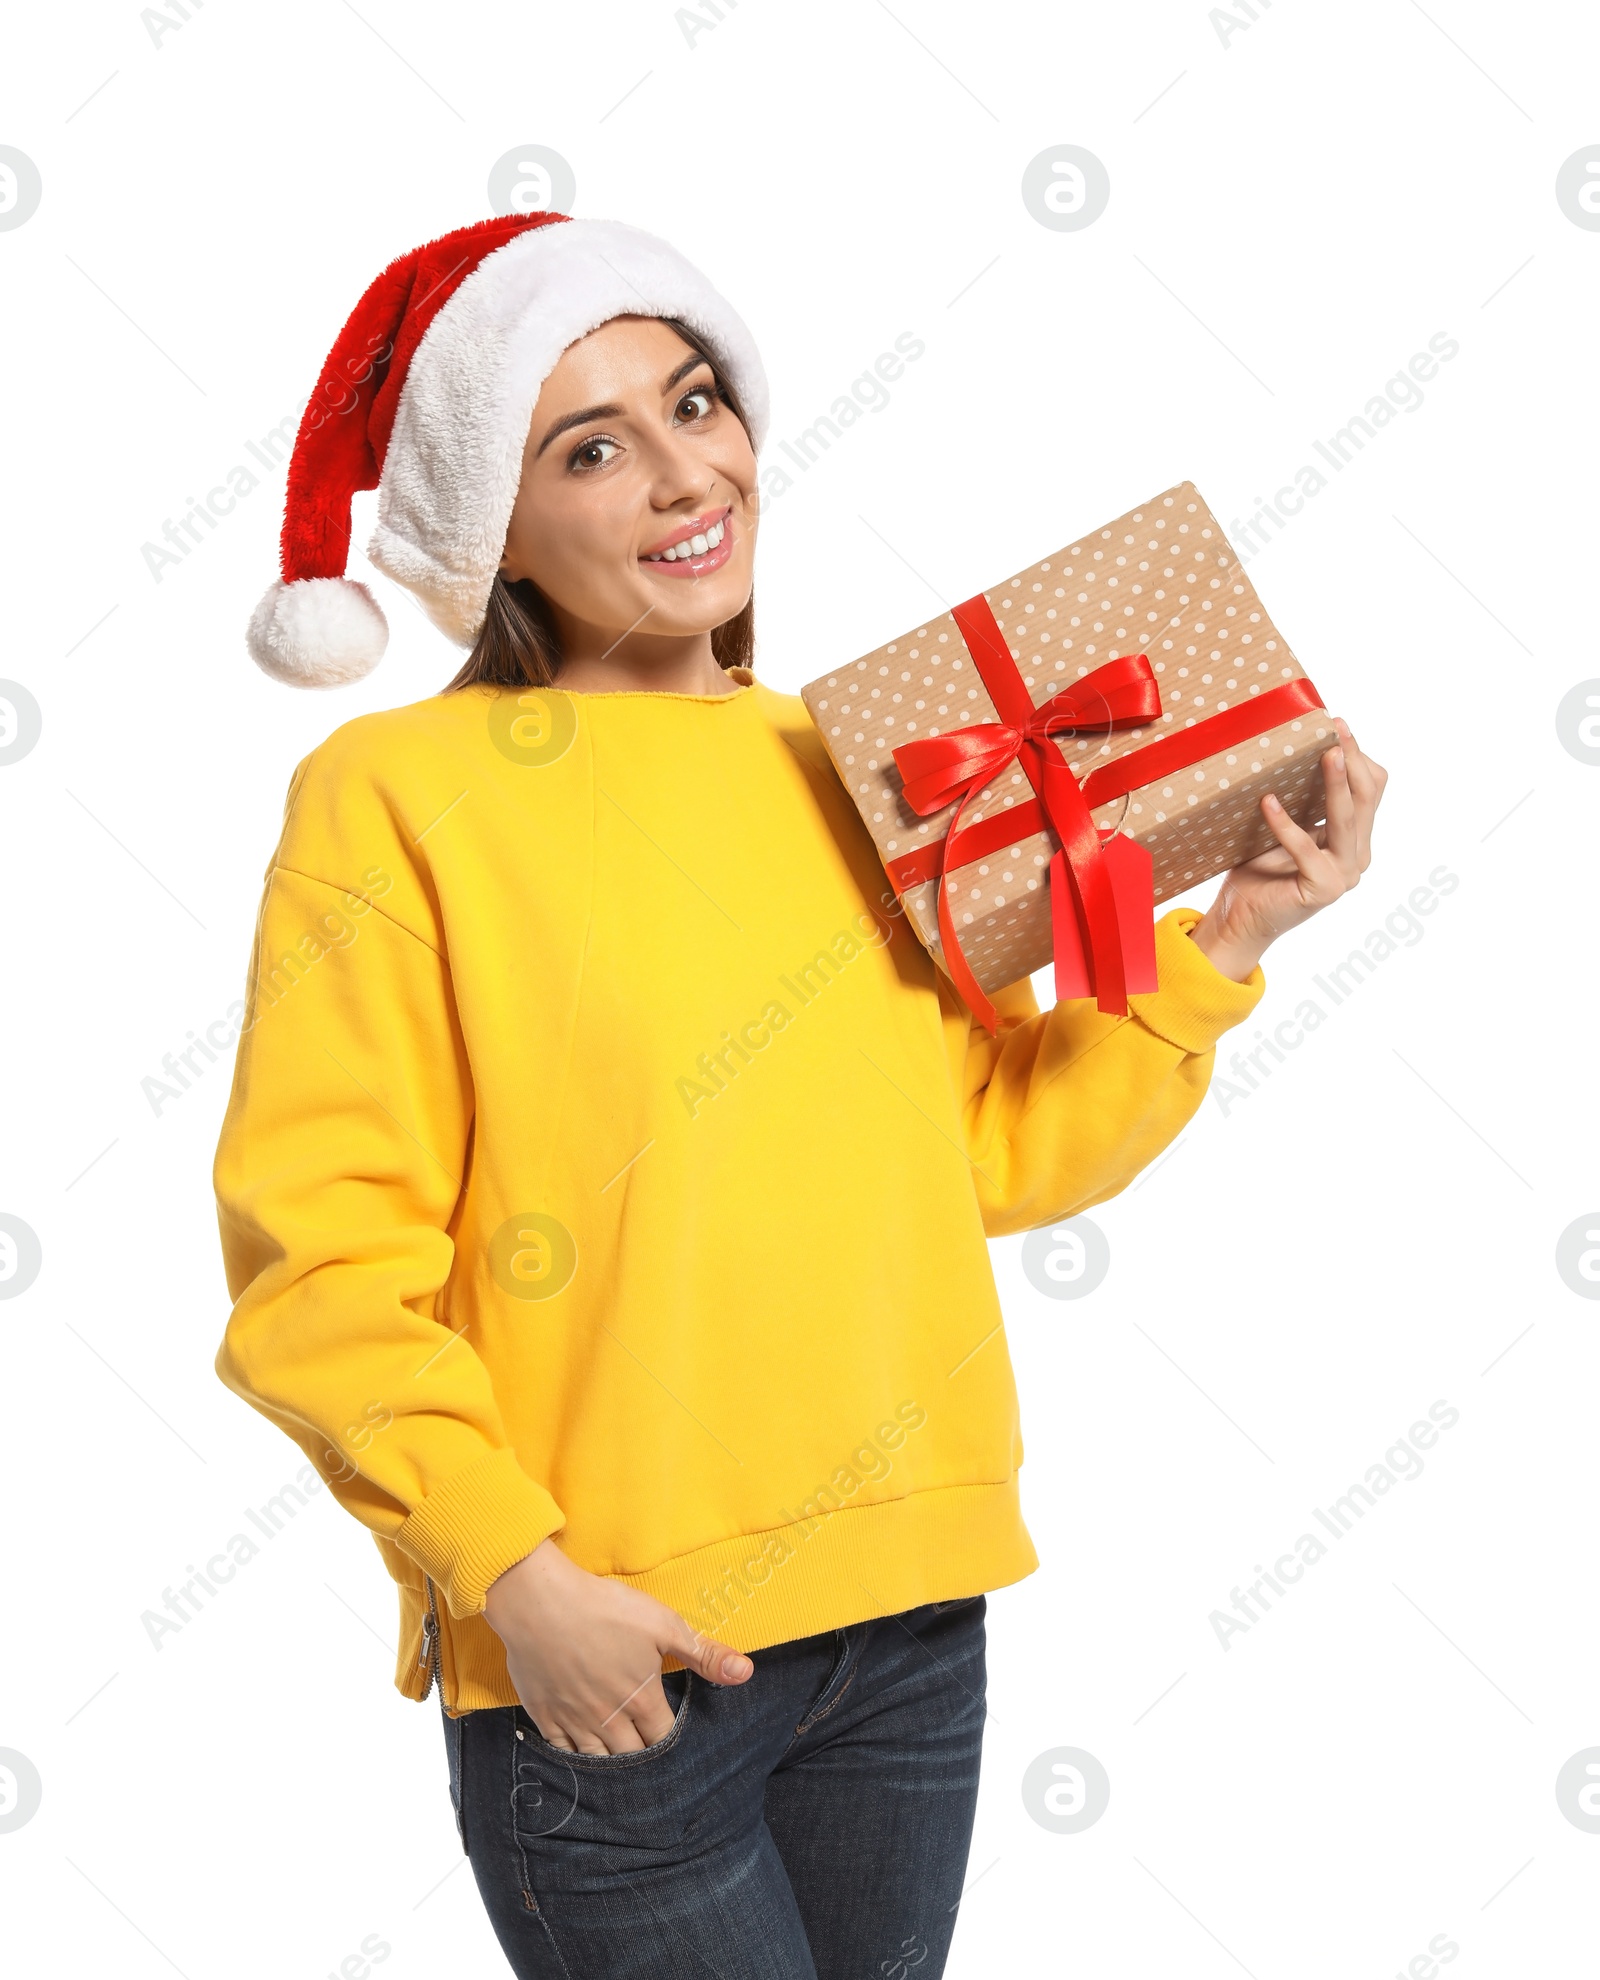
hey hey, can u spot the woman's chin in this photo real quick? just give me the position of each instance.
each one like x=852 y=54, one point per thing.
x=682 y=607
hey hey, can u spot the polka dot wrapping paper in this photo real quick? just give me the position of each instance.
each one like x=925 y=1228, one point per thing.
x=1162 y=580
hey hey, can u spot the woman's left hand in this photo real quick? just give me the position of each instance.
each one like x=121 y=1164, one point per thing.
x=1304 y=871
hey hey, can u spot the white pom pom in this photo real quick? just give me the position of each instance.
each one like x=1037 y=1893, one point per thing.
x=318 y=632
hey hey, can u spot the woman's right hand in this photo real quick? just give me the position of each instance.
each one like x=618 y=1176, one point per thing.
x=584 y=1653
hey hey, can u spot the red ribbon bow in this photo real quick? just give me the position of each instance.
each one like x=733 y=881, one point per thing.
x=1101 y=896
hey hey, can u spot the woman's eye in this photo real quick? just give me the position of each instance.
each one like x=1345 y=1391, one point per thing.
x=592 y=453
x=695 y=405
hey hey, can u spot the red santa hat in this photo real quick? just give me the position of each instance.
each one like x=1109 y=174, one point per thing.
x=427 y=396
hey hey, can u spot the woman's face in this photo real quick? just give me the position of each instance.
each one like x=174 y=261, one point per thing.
x=630 y=453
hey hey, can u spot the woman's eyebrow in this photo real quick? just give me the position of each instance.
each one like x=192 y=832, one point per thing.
x=690 y=363
x=579 y=419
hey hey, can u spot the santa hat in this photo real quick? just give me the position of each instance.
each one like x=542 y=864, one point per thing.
x=427 y=397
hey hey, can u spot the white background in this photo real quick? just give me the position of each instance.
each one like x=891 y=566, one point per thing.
x=1297 y=205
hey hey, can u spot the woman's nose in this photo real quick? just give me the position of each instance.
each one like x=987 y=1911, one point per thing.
x=678 y=471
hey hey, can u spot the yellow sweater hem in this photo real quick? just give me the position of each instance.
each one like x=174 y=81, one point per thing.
x=824 y=1573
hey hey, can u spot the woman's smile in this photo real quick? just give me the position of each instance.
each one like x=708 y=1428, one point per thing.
x=702 y=544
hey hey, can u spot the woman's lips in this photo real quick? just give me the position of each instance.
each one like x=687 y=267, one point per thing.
x=710 y=559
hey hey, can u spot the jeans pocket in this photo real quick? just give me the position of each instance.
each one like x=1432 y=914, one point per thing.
x=608 y=1761
x=570 y=1811
x=958 y=1602
x=849 y=1642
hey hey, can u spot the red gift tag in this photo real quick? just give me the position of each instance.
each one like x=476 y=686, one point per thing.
x=1131 y=872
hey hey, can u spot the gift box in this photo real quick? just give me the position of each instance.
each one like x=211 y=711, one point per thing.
x=1042 y=765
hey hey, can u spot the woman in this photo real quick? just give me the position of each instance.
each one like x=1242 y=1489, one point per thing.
x=606 y=1176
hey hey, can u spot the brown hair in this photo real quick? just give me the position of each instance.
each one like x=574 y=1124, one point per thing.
x=518 y=644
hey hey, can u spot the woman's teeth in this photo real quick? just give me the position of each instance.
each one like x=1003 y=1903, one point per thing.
x=694 y=546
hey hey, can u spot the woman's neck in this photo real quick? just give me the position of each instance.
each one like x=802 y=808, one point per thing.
x=633 y=662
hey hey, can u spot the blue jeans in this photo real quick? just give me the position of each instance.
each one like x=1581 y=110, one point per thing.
x=811 y=1823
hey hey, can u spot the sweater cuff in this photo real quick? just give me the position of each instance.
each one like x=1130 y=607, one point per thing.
x=469 y=1530
x=1196 y=1002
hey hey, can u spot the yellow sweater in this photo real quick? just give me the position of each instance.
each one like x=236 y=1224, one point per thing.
x=606 y=1158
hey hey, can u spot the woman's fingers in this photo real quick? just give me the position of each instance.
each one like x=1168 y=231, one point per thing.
x=717 y=1662
x=1274 y=863
x=1320 y=879
x=1367 y=780
x=581 y=1739
x=640 y=1720
x=591 y=1743
x=1341 y=834
x=563 y=1738
x=1366 y=772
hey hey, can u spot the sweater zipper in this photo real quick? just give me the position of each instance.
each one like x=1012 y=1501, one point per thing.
x=428 y=1657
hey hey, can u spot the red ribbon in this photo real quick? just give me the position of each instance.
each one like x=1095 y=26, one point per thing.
x=956 y=765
